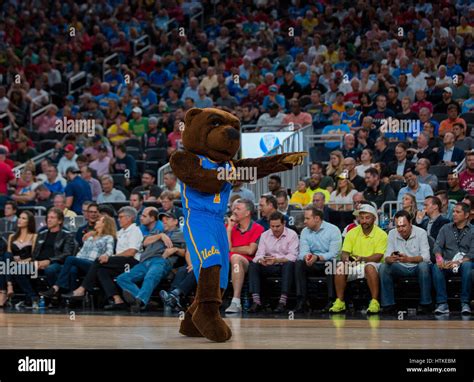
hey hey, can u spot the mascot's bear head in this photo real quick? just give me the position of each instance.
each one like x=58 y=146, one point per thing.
x=211 y=132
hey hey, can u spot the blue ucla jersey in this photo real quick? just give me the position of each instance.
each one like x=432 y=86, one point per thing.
x=195 y=200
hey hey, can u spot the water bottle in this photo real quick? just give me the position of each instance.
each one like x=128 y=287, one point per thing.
x=458 y=257
x=42 y=303
x=383 y=221
x=246 y=302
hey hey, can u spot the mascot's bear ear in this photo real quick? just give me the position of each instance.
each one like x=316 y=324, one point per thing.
x=190 y=114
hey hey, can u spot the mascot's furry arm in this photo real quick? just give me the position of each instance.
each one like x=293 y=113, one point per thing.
x=187 y=167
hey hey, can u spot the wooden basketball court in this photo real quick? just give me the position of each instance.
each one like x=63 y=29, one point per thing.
x=60 y=331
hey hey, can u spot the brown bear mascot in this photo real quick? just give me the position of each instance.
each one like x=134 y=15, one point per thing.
x=211 y=138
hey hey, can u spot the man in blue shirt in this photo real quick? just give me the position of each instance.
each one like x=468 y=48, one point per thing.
x=148 y=97
x=320 y=243
x=191 y=91
x=336 y=128
x=77 y=191
x=419 y=190
x=159 y=77
x=351 y=117
x=451 y=67
x=114 y=78
x=106 y=95
x=273 y=97
x=149 y=222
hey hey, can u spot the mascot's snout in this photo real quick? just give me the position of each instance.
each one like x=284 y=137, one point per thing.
x=232 y=134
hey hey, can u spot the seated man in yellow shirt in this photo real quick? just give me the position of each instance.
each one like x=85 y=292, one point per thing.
x=362 y=252
x=301 y=196
x=119 y=131
x=315 y=186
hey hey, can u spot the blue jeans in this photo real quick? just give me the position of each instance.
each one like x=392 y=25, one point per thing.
x=388 y=272
x=24 y=281
x=52 y=272
x=184 y=281
x=72 y=266
x=439 y=281
x=151 y=272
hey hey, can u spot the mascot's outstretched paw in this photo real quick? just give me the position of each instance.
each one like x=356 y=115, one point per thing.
x=207 y=317
x=295 y=159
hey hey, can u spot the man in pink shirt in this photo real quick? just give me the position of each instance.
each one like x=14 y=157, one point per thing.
x=102 y=163
x=297 y=117
x=276 y=256
x=421 y=102
x=466 y=178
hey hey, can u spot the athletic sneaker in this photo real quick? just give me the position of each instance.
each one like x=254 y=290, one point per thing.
x=374 y=307
x=171 y=300
x=338 y=306
x=234 y=308
x=465 y=308
x=442 y=309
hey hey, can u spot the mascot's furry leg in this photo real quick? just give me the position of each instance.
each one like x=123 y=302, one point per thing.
x=188 y=328
x=207 y=317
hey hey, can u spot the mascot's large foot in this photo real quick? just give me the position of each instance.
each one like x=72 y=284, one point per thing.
x=188 y=328
x=207 y=318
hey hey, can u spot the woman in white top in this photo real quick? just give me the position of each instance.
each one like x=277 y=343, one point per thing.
x=366 y=159
x=366 y=84
x=341 y=197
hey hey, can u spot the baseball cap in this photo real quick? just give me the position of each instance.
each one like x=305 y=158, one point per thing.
x=273 y=88
x=343 y=175
x=243 y=76
x=167 y=214
x=273 y=105
x=152 y=121
x=73 y=170
x=367 y=208
x=349 y=105
x=103 y=148
x=335 y=112
x=3 y=151
x=69 y=147
x=96 y=138
x=448 y=90
x=431 y=77
x=137 y=110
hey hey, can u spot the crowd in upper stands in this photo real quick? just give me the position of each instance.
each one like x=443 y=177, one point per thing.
x=390 y=86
